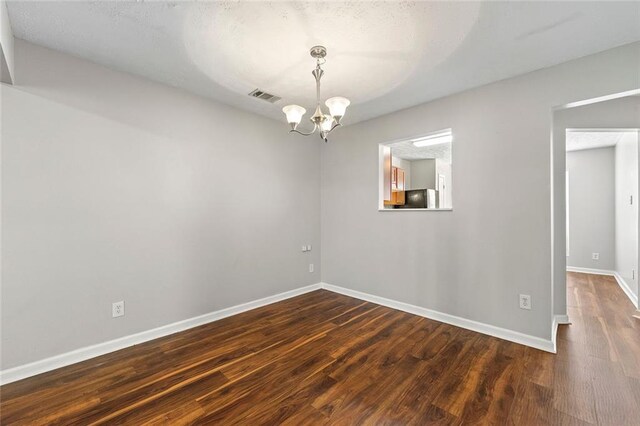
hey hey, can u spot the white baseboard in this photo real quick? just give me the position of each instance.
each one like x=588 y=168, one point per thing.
x=502 y=333
x=554 y=333
x=557 y=320
x=82 y=354
x=590 y=271
x=621 y=282
x=626 y=289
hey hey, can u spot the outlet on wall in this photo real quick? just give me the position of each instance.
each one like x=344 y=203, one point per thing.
x=595 y=256
x=311 y=267
x=117 y=309
x=525 y=301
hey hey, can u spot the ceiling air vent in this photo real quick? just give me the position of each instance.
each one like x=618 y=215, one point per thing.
x=264 y=96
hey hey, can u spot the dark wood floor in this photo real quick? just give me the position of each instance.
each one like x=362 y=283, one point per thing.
x=323 y=358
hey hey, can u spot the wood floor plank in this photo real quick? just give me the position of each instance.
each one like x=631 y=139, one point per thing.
x=614 y=400
x=417 y=398
x=171 y=402
x=494 y=394
x=627 y=345
x=534 y=406
x=464 y=377
x=573 y=387
x=538 y=366
x=325 y=358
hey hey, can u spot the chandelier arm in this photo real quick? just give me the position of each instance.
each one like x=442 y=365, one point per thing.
x=315 y=127
x=333 y=127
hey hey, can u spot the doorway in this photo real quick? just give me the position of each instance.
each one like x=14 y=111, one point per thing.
x=595 y=206
x=602 y=216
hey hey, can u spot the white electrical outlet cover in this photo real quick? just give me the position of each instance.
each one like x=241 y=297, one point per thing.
x=525 y=301
x=117 y=309
x=311 y=267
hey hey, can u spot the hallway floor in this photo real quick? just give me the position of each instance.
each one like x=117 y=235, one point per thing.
x=599 y=352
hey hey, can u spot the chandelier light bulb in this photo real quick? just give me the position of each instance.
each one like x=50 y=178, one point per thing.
x=337 y=106
x=327 y=123
x=294 y=113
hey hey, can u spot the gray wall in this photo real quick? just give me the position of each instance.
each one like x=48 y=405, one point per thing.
x=617 y=113
x=423 y=174
x=626 y=214
x=473 y=261
x=591 y=208
x=117 y=188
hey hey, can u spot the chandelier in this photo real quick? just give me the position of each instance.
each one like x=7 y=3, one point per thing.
x=323 y=123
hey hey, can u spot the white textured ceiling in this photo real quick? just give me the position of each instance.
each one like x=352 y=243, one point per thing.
x=384 y=56
x=579 y=140
x=406 y=150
